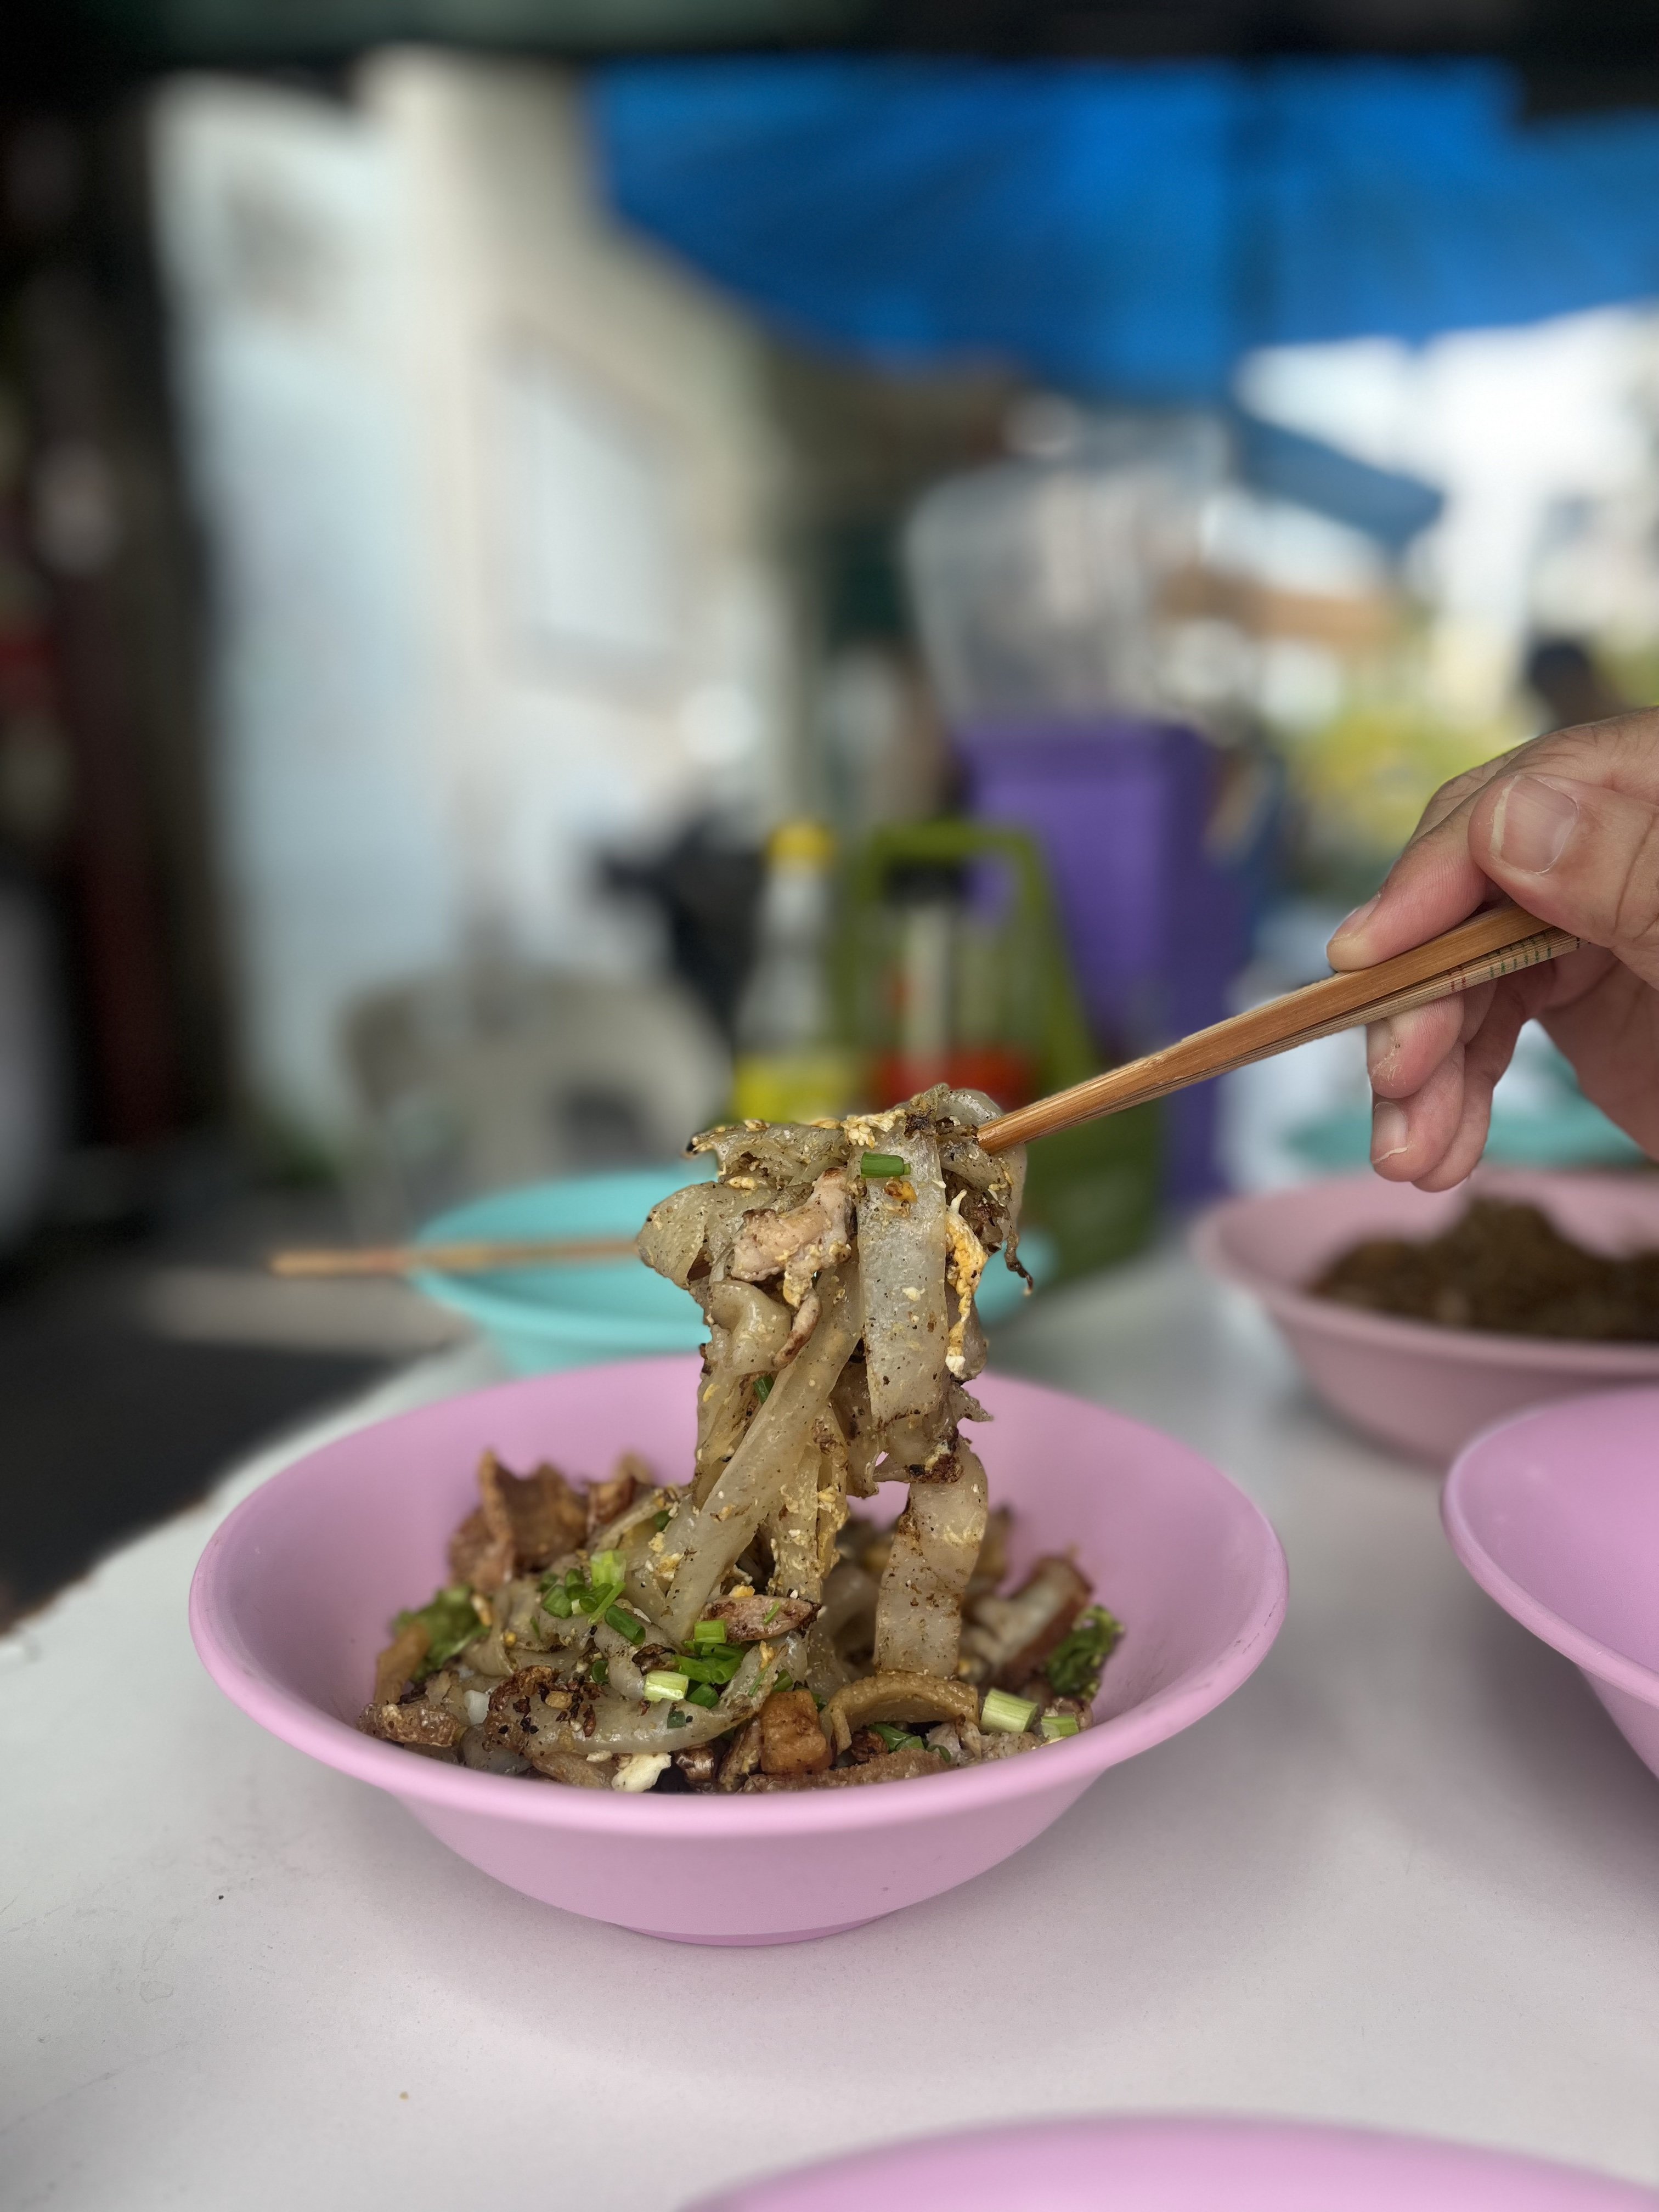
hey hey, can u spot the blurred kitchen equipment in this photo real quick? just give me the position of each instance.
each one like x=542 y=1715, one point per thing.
x=502 y=1074
x=1038 y=586
x=953 y=969
x=793 y=1063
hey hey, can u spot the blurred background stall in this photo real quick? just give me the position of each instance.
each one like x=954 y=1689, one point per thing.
x=565 y=576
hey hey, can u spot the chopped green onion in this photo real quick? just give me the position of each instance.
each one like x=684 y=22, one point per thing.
x=558 y=1603
x=896 y=1739
x=599 y=1671
x=771 y=1612
x=660 y=1520
x=705 y=1634
x=451 y=1621
x=678 y=1719
x=705 y=1694
x=1056 y=1725
x=710 y=1666
x=763 y=1387
x=784 y=1682
x=607 y=1567
x=625 y=1623
x=879 y=1166
x=662 y=1688
x=1005 y=1714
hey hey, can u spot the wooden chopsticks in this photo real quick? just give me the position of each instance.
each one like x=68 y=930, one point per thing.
x=1495 y=942
x=452 y=1258
x=1498 y=942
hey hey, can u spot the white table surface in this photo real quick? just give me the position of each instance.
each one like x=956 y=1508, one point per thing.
x=1408 y=1875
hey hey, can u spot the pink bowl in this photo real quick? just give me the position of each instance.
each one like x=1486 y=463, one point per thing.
x=1183 y=2166
x=294 y=1590
x=1556 y=1515
x=1423 y=1387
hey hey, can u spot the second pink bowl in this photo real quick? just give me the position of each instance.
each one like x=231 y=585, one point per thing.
x=294 y=1591
x=1556 y=1515
x=1424 y=1388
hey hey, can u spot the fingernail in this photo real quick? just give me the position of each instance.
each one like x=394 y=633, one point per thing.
x=1357 y=918
x=1388 y=1131
x=1382 y=1046
x=1531 y=825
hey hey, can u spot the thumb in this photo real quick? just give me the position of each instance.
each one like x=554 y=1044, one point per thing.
x=1577 y=854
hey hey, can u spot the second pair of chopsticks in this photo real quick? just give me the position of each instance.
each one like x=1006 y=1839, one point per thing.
x=1498 y=942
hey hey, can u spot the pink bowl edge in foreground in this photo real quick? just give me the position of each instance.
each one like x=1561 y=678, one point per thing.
x=1585 y=1650
x=1181 y=2163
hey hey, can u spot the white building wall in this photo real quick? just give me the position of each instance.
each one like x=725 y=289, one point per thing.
x=490 y=493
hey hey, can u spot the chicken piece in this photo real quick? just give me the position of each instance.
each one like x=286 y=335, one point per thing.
x=1009 y=1637
x=742 y=1760
x=796 y=1244
x=606 y=1500
x=520 y=1523
x=791 y=1740
x=433 y=1729
x=399 y=1664
x=699 y=1766
x=748 y=1619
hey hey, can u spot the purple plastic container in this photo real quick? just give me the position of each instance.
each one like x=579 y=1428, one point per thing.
x=1155 y=926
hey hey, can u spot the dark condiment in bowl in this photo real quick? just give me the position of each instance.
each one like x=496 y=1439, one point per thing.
x=1504 y=1268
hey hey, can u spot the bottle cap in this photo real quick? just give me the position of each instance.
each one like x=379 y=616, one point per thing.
x=801 y=842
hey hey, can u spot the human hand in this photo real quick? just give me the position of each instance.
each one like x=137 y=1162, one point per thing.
x=1568 y=827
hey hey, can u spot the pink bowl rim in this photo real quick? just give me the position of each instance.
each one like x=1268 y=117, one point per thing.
x=1423 y=1339
x=295 y=1720
x=1207 y=2141
x=1550 y=1627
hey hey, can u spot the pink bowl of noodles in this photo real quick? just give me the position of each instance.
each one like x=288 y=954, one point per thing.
x=293 y=1592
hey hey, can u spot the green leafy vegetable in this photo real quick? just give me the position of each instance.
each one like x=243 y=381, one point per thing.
x=451 y=1622
x=660 y=1520
x=879 y=1166
x=1074 y=1664
x=678 y=1719
x=763 y=1387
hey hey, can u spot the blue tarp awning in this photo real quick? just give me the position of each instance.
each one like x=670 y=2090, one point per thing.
x=1128 y=229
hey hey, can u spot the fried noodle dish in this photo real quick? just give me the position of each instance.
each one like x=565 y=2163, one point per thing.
x=746 y=1630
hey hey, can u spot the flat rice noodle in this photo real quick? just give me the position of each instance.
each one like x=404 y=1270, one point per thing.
x=688 y=1235
x=747 y=1332
x=936 y=1544
x=900 y=1697
x=850 y=1401
x=754 y=1327
x=702 y=1541
x=620 y=1725
x=792 y=1527
x=785 y=1156
x=907 y=1318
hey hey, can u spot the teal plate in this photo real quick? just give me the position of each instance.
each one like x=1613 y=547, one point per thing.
x=540 y=1319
